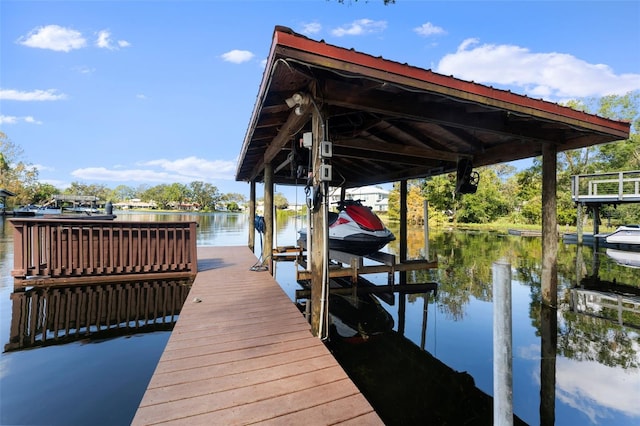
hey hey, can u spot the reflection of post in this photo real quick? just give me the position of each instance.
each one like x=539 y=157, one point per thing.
x=549 y=339
x=402 y=305
x=579 y=230
x=502 y=351
x=579 y=264
x=425 y=314
x=595 y=260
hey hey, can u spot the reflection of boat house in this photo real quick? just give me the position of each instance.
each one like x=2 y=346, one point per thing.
x=358 y=120
x=623 y=309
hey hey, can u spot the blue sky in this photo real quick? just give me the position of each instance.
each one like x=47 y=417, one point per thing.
x=150 y=92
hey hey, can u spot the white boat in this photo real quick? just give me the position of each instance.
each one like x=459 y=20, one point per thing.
x=33 y=210
x=626 y=234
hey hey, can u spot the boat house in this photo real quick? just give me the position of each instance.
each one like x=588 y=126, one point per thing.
x=327 y=116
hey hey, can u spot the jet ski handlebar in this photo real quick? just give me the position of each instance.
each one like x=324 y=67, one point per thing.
x=342 y=204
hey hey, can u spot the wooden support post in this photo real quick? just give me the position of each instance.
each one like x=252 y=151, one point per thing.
x=319 y=250
x=403 y=228
x=267 y=250
x=596 y=220
x=549 y=226
x=252 y=215
x=426 y=229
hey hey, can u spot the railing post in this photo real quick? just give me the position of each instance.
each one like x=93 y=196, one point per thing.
x=620 y=185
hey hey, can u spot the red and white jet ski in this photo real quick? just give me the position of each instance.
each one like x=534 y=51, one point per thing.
x=355 y=229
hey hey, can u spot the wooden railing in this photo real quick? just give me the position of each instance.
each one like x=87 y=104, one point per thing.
x=612 y=187
x=62 y=251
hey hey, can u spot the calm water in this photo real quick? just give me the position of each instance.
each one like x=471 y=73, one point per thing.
x=421 y=352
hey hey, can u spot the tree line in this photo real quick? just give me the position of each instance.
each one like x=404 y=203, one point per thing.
x=504 y=193
x=21 y=178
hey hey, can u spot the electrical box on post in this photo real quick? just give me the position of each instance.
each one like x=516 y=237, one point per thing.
x=326 y=149
x=307 y=140
x=325 y=172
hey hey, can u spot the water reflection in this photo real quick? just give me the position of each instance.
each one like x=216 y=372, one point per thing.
x=59 y=315
x=582 y=359
x=434 y=357
x=405 y=383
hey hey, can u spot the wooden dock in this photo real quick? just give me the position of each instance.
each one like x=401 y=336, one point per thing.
x=242 y=353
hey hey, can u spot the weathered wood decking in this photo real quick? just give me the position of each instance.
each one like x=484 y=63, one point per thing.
x=242 y=353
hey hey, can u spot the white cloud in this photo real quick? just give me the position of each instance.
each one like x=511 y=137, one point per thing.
x=84 y=69
x=185 y=170
x=617 y=389
x=133 y=175
x=360 y=27
x=54 y=37
x=237 y=56
x=311 y=28
x=548 y=75
x=428 y=29
x=34 y=95
x=10 y=119
x=42 y=168
x=197 y=167
x=104 y=41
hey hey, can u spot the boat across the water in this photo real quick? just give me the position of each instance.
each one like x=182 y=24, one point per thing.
x=626 y=234
x=355 y=229
x=35 y=210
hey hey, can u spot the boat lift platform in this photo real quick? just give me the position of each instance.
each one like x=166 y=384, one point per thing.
x=348 y=265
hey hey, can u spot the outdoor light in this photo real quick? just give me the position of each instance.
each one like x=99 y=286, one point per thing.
x=298 y=99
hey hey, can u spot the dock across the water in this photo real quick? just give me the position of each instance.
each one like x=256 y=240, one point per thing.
x=242 y=353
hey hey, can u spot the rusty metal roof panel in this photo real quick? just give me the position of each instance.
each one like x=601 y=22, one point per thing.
x=391 y=121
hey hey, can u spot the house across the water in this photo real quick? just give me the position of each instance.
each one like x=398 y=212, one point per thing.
x=371 y=196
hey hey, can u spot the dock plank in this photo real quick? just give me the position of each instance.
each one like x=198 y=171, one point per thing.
x=241 y=353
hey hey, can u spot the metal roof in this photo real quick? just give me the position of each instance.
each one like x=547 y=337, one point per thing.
x=390 y=121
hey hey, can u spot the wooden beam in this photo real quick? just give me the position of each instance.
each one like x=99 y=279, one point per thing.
x=289 y=130
x=383 y=149
x=376 y=289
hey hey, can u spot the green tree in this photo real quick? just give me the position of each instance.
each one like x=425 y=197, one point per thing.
x=440 y=191
x=42 y=192
x=16 y=175
x=122 y=193
x=77 y=188
x=490 y=202
x=205 y=194
x=280 y=201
